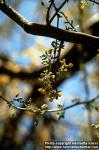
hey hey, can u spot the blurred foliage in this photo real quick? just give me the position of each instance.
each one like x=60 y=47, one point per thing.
x=94 y=76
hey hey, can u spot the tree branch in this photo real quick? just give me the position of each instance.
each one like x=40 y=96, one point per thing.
x=76 y=104
x=94 y=1
x=49 y=110
x=10 y=104
x=65 y=1
x=49 y=31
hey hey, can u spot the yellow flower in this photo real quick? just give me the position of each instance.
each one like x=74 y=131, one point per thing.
x=82 y=6
x=70 y=65
x=50 y=99
x=40 y=80
x=59 y=94
x=49 y=87
x=42 y=91
x=62 y=61
x=53 y=76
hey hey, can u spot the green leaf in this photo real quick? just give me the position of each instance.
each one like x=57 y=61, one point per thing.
x=42 y=3
x=36 y=122
x=18 y=100
x=60 y=114
x=17 y=95
x=89 y=106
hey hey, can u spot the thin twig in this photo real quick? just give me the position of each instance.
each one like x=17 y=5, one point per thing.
x=16 y=107
x=58 y=9
x=50 y=110
x=76 y=104
x=94 y=1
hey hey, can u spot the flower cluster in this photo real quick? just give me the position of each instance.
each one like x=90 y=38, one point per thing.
x=84 y=3
x=64 y=67
x=48 y=80
x=47 y=58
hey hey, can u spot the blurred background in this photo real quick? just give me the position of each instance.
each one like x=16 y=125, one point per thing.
x=20 y=66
